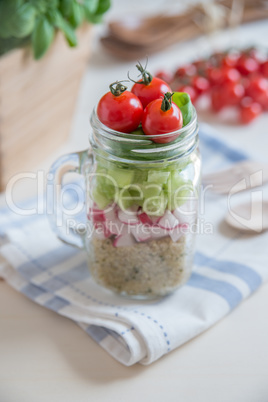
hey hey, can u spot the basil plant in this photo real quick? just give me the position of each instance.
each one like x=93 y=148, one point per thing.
x=36 y=21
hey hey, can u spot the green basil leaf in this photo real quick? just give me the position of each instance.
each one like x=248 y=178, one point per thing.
x=77 y=15
x=42 y=37
x=94 y=19
x=96 y=16
x=183 y=101
x=41 y=6
x=66 y=28
x=90 y=6
x=23 y=20
x=103 y=6
x=7 y=11
x=66 y=8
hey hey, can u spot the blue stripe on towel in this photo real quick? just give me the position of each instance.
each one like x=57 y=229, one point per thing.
x=56 y=304
x=244 y=272
x=229 y=292
x=37 y=265
x=76 y=274
x=32 y=291
x=232 y=154
x=97 y=333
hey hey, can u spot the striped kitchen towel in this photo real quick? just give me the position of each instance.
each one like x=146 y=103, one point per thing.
x=229 y=266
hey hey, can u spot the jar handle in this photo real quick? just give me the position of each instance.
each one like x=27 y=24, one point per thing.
x=77 y=162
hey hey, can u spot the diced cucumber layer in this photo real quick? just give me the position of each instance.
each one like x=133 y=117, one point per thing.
x=157 y=176
x=101 y=199
x=122 y=177
x=153 y=190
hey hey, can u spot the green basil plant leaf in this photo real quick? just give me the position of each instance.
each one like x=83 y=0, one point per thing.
x=183 y=101
x=7 y=10
x=42 y=37
x=77 y=14
x=90 y=6
x=66 y=8
x=103 y=6
x=23 y=20
x=96 y=16
x=66 y=28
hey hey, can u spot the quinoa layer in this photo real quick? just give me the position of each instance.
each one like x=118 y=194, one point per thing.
x=153 y=268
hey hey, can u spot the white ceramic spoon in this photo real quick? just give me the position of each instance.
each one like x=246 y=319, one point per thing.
x=249 y=217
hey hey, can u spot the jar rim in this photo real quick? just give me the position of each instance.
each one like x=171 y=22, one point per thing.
x=142 y=145
x=94 y=120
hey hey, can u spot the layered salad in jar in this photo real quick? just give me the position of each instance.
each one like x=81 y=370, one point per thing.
x=143 y=190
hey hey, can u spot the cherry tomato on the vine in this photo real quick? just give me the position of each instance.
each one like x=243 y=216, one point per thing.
x=149 y=88
x=222 y=75
x=230 y=60
x=189 y=90
x=249 y=110
x=247 y=65
x=120 y=109
x=233 y=92
x=162 y=116
x=164 y=75
x=200 y=84
x=264 y=68
x=188 y=70
x=217 y=99
x=257 y=89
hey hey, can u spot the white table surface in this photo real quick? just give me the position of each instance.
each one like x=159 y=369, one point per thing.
x=45 y=357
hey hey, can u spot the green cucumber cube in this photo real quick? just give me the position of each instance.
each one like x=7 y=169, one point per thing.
x=157 y=176
x=151 y=190
x=155 y=206
x=100 y=199
x=123 y=177
x=124 y=199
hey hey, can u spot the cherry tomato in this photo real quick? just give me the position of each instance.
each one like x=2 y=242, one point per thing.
x=249 y=110
x=233 y=93
x=164 y=75
x=149 y=92
x=188 y=70
x=201 y=66
x=216 y=59
x=214 y=75
x=247 y=65
x=257 y=89
x=200 y=84
x=218 y=99
x=264 y=68
x=230 y=75
x=162 y=116
x=222 y=75
x=189 y=90
x=230 y=60
x=149 y=88
x=119 y=109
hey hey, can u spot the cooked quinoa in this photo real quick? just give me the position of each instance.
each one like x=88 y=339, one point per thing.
x=150 y=268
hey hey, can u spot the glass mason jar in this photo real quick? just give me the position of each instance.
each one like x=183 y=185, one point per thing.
x=141 y=206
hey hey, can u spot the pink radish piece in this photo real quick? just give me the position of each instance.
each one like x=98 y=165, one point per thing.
x=145 y=219
x=141 y=232
x=114 y=225
x=124 y=241
x=96 y=215
x=155 y=219
x=128 y=217
x=168 y=221
x=175 y=234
